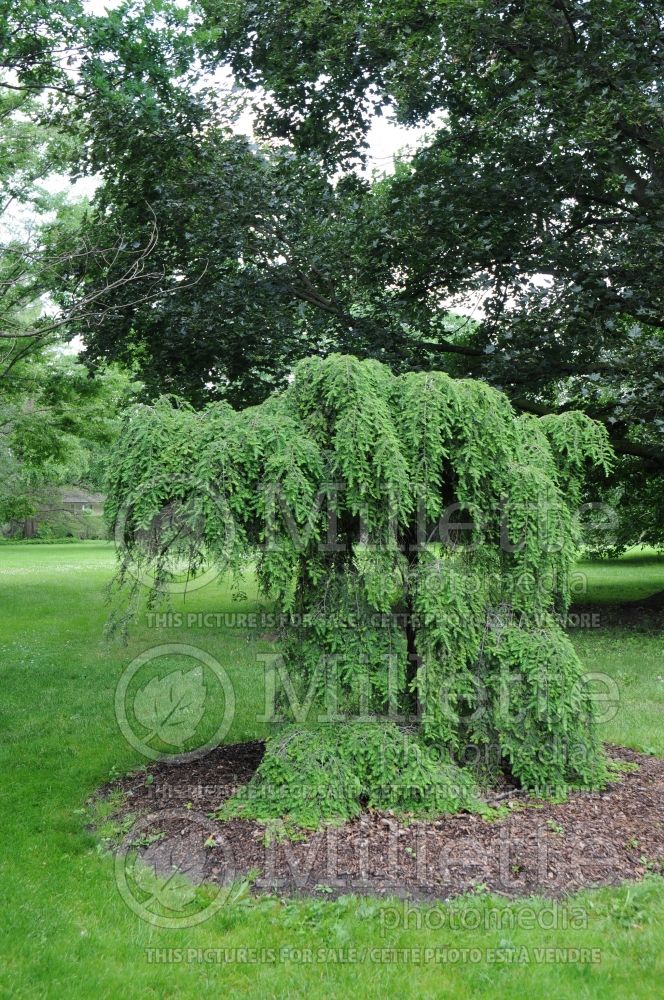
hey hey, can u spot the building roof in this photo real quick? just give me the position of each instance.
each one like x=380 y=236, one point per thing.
x=80 y=496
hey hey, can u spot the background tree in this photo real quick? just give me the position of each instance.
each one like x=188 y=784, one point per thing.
x=537 y=193
x=56 y=426
x=57 y=64
x=62 y=72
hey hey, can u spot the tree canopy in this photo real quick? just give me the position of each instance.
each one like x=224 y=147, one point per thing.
x=210 y=263
x=540 y=185
x=536 y=193
x=67 y=76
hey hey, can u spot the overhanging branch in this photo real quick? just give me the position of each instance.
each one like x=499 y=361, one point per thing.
x=653 y=457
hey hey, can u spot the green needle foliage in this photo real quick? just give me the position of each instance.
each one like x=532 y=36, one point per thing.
x=418 y=538
x=374 y=765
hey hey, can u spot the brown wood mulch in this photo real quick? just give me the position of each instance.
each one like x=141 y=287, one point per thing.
x=592 y=839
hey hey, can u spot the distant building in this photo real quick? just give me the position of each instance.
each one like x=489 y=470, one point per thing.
x=62 y=512
x=80 y=502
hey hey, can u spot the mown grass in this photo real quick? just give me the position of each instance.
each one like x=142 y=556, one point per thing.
x=636 y=575
x=631 y=657
x=66 y=930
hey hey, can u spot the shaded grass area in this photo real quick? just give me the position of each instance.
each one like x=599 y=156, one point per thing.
x=66 y=930
x=636 y=575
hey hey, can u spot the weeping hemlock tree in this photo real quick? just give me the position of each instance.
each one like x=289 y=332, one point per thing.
x=418 y=537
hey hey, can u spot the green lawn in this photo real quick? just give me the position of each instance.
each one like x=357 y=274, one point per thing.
x=637 y=574
x=67 y=931
x=632 y=659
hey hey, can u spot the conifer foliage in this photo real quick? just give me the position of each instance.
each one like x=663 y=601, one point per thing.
x=418 y=537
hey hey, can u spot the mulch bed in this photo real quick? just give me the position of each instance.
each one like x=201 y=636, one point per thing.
x=593 y=839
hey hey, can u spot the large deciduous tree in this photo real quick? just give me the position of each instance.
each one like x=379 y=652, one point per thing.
x=538 y=192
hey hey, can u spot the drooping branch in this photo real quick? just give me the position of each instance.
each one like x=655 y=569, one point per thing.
x=652 y=455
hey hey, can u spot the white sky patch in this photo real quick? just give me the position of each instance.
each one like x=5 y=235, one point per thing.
x=386 y=139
